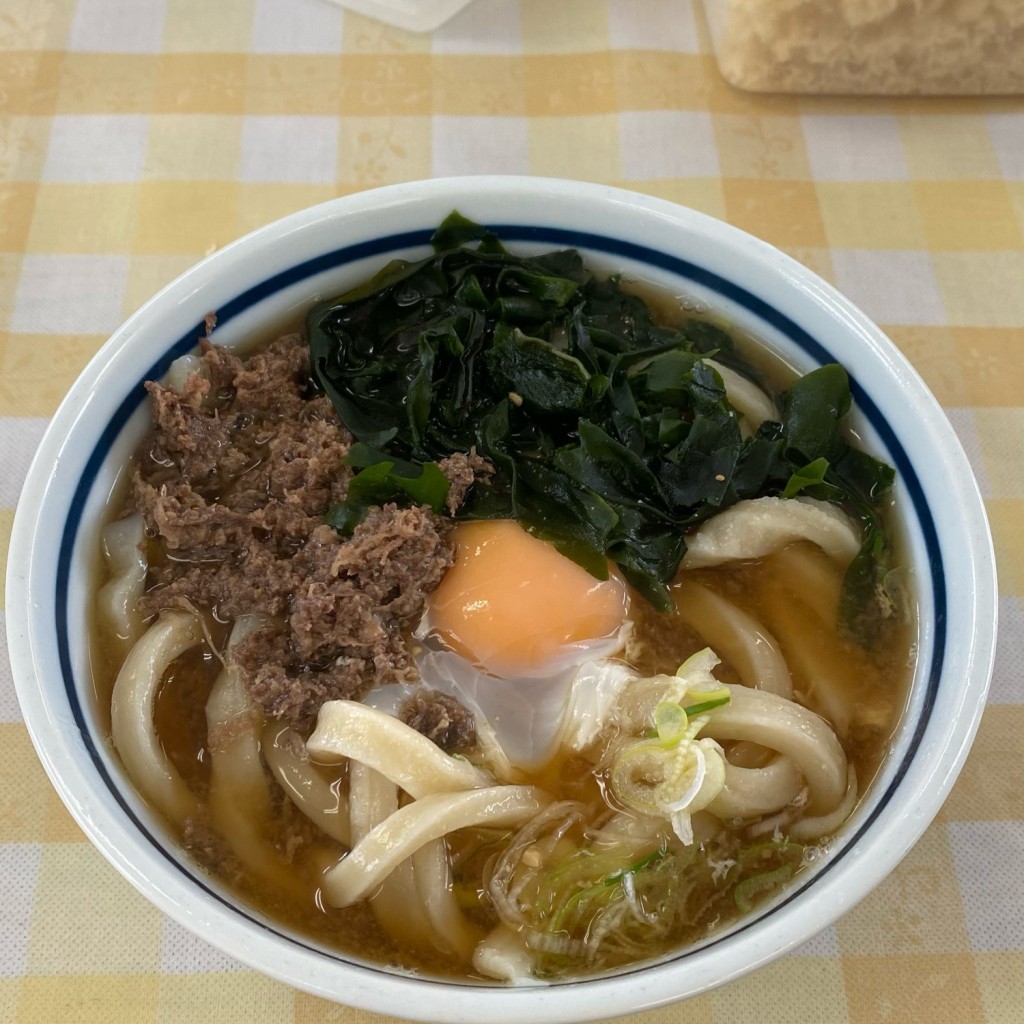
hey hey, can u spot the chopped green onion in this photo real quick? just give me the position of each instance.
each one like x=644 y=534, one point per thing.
x=749 y=889
x=652 y=858
x=700 y=663
x=719 y=691
x=652 y=779
x=670 y=722
x=707 y=705
x=577 y=901
x=669 y=773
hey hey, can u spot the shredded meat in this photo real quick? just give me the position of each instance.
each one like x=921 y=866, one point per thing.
x=463 y=470
x=440 y=718
x=234 y=482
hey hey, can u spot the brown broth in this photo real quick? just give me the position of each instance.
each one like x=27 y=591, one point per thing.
x=874 y=684
x=877 y=680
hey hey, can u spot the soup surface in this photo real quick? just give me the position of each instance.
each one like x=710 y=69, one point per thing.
x=553 y=643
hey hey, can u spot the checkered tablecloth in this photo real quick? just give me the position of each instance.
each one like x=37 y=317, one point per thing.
x=137 y=135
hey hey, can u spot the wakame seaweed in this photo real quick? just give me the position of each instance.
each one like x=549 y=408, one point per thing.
x=609 y=434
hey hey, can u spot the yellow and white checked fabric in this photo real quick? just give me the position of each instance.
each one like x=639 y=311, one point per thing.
x=137 y=135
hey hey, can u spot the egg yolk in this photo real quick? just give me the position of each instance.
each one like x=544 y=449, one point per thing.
x=515 y=606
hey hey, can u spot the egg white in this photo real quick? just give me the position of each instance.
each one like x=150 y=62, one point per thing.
x=530 y=716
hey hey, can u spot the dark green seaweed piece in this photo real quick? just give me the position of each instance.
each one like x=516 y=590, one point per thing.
x=382 y=479
x=609 y=433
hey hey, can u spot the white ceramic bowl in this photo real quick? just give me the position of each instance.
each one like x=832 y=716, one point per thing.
x=274 y=274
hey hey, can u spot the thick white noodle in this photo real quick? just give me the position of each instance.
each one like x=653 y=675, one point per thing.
x=759 y=526
x=371 y=799
x=814 y=577
x=132 y=707
x=323 y=803
x=807 y=829
x=117 y=602
x=346 y=729
x=736 y=637
x=434 y=884
x=745 y=397
x=239 y=800
x=790 y=729
x=503 y=956
x=377 y=854
x=751 y=791
x=826 y=675
x=439 y=673
x=396 y=904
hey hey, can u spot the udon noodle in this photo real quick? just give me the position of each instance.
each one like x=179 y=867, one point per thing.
x=616 y=808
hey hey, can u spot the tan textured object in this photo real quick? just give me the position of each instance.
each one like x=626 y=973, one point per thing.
x=881 y=47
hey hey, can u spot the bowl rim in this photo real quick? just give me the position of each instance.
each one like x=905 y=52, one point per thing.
x=370 y=988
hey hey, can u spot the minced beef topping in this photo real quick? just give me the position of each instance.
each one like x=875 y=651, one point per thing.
x=463 y=470
x=440 y=718
x=234 y=483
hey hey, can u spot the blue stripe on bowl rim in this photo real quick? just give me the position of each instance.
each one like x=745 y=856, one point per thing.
x=517 y=233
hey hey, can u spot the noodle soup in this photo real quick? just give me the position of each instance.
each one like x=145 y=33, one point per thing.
x=409 y=695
